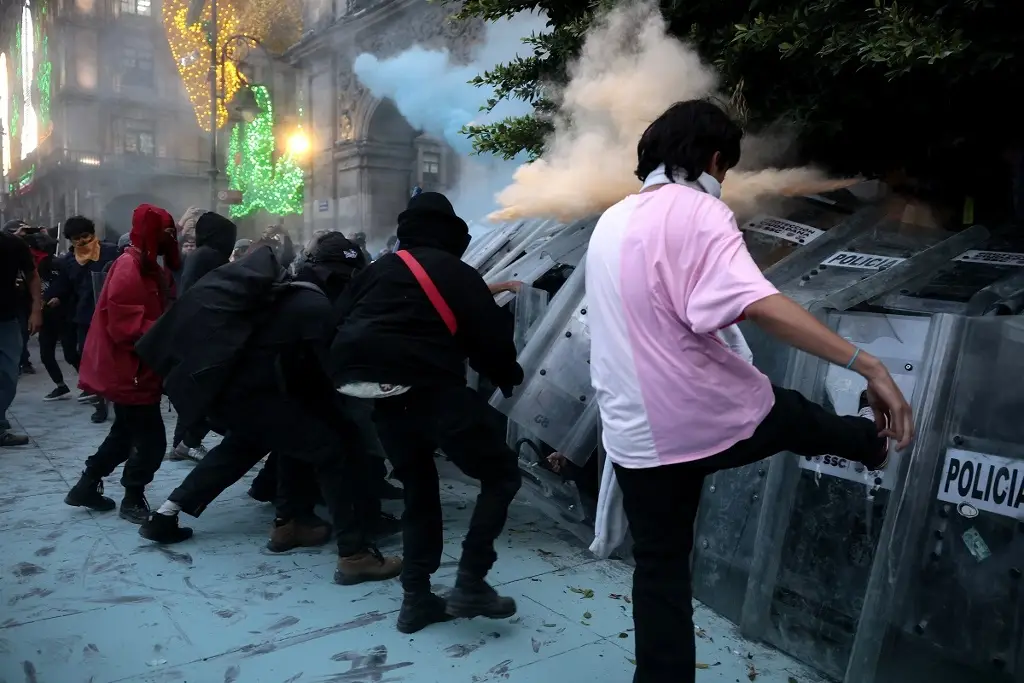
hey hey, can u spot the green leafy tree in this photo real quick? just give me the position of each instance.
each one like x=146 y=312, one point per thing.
x=927 y=86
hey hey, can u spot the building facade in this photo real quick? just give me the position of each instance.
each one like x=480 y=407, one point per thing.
x=119 y=130
x=367 y=158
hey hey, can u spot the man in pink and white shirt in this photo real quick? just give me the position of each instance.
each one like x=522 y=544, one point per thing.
x=666 y=271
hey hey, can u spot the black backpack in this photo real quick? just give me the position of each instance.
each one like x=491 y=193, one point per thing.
x=195 y=346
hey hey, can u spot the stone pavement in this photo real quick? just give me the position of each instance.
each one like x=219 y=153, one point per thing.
x=84 y=599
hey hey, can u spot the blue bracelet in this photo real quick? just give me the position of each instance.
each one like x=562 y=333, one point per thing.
x=852 y=360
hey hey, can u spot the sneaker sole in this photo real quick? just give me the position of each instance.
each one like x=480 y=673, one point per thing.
x=133 y=520
x=408 y=628
x=350 y=580
x=51 y=399
x=458 y=611
x=68 y=501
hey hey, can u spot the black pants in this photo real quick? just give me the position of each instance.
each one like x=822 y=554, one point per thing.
x=24 y=311
x=661 y=506
x=192 y=435
x=55 y=329
x=329 y=442
x=138 y=426
x=411 y=427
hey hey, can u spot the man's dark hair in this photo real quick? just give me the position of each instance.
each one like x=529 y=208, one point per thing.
x=78 y=225
x=686 y=137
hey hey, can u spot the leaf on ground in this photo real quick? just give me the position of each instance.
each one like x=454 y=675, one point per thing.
x=631 y=661
x=702 y=665
x=623 y=635
x=751 y=672
x=585 y=592
x=587 y=615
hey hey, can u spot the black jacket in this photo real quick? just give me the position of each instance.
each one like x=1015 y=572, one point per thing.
x=391 y=333
x=215 y=239
x=73 y=284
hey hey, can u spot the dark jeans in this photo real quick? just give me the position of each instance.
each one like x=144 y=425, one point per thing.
x=328 y=442
x=10 y=356
x=661 y=506
x=411 y=427
x=192 y=435
x=55 y=329
x=138 y=426
x=24 y=311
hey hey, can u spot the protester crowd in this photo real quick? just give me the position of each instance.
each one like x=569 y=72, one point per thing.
x=323 y=365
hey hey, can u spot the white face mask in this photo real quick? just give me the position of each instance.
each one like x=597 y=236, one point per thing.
x=704 y=183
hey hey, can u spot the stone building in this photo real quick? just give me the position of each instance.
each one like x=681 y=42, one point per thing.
x=367 y=158
x=120 y=129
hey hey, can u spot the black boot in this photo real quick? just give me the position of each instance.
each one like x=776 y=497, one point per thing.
x=164 y=529
x=99 y=416
x=88 y=493
x=472 y=597
x=134 y=507
x=420 y=610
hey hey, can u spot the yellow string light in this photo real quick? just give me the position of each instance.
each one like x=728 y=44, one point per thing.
x=190 y=48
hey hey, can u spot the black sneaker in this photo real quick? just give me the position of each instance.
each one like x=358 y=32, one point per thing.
x=88 y=493
x=164 y=529
x=261 y=495
x=99 y=416
x=9 y=440
x=387 y=525
x=86 y=397
x=27 y=369
x=61 y=393
x=420 y=610
x=473 y=597
x=134 y=508
x=880 y=458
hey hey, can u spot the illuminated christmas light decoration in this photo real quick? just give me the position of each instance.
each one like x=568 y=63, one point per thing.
x=190 y=47
x=30 y=128
x=265 y=184
x=15 y=91
x=5 y=120
x=43 y=84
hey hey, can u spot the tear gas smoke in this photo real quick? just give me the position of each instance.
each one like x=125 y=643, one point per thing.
x=629 y=72
x=434 y=95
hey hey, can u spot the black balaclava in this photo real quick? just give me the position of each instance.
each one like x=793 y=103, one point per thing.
x=431 y=221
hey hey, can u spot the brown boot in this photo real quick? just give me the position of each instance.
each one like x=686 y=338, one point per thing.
x=368 y=565
x=294 y=534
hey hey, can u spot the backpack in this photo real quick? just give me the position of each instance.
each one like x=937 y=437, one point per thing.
x=195 y=346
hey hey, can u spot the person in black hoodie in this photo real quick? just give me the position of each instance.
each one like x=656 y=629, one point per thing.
x=73 y=288
x=409 y=323
x=215 y=240
x=55 y=325
x=281 y=400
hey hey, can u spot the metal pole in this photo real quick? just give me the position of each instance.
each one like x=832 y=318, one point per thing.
x=213 y=104
x=3 y=171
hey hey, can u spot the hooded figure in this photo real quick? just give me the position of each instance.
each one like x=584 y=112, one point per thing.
x=137 y=291
x=281 y=400
x=282 y=243
x=215 y=240
x=408 y=325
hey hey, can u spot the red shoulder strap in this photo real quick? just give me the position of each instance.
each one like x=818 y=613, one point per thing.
x=430 y=289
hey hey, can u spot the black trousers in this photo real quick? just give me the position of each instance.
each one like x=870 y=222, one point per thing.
x=661 y=506
x=24 y=311
x=414 y=425
x=329 y=442
x=138 y=426
x=56 y=329
x=192 y=435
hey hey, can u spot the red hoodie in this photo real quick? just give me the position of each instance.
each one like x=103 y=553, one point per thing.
x=136 y=292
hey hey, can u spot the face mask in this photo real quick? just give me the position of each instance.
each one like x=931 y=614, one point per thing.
x=704 y=183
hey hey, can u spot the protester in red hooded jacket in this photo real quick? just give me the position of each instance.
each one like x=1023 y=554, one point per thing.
x=138 y=289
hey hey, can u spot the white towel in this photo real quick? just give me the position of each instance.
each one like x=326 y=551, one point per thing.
x=610 y=527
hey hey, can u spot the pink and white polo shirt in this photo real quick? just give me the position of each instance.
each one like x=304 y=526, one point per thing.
x=665 y=271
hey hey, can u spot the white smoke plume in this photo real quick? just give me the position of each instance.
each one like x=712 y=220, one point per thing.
x=629 y=72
